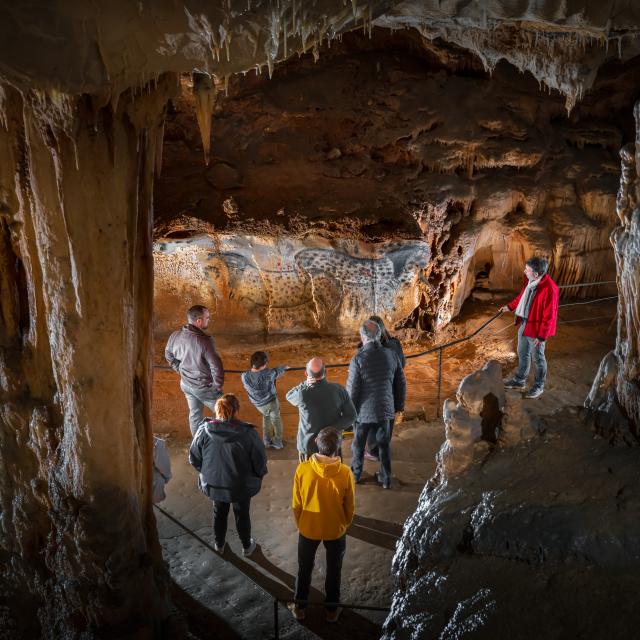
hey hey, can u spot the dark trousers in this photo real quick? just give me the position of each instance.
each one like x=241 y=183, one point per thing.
x=382 y=434
x=334 y=550
x=243 y=521
x=372 y=443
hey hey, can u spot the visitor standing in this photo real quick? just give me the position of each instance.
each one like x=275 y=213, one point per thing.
x=536 y=311
x=390 y=342
x=231 y=459
x=320 y=404
x=260 y=385
x=323 y=504
x=192 y=353
x=377 y=386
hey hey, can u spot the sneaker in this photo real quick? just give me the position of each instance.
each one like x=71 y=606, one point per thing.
x=332 y=616
x=297 y=613
x=250 y=549
x=267 y=443
x=219 y=547
x=386 y=484
x=512 y=383
x=277 y=444
x=535 y=392
x=369 y=456
x=356 y=477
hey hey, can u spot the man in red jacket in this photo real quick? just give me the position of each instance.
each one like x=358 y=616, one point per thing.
x=536 y=310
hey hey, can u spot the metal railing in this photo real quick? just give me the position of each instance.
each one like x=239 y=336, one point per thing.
x=276 y=600
x=439 y=349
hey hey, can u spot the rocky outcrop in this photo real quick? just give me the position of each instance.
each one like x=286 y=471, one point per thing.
x=379 y=141
x=78 y=545
x=533 y=537
x=617 y=384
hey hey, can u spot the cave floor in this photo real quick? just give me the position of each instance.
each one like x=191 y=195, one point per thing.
x=220 y=592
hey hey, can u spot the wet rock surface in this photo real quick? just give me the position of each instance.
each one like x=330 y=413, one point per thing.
x=539 y=540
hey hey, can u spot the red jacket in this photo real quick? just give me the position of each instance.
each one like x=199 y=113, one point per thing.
x=543 y=313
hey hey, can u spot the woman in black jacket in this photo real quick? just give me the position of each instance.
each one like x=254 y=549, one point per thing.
x=231 y=459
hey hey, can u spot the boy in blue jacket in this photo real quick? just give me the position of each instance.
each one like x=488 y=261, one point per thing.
x=260 y=384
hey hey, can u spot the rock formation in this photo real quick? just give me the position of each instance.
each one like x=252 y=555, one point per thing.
x=617 y=384
x=77 y=536
x=533 y=537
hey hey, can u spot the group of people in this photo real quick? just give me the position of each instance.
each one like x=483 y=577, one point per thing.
x=230 y=456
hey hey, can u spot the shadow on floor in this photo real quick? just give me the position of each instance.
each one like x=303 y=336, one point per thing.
x=199 y=620
x=378 y=532
x=351 y=625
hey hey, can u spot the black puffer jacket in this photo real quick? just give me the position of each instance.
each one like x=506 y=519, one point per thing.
x=231 y=459
x=376 y=383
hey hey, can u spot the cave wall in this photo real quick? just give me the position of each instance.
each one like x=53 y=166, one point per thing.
x=78 y=545
x=283 y=285
x=383 y=139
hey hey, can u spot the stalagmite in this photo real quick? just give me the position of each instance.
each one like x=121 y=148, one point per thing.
x=205 y=95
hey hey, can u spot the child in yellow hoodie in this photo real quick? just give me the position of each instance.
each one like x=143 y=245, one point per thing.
x=323 y=505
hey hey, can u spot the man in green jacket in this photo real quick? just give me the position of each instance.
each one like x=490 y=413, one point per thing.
x=320 y=404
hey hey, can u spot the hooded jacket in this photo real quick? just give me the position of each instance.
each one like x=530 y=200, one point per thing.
x=323 y=498
x=543 y=312
x=231 y=459
x=192 y=353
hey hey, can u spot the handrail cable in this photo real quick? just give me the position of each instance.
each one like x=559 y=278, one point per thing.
x=442 y=347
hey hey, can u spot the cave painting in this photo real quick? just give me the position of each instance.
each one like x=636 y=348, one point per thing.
x=253 y=283
x=330 y=284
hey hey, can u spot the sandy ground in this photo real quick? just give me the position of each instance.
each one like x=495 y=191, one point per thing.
x=220 y=592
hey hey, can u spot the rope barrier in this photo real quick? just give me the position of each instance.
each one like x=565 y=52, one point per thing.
x=442 y=347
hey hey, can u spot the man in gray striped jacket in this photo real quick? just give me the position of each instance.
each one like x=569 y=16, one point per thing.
x=377 y=387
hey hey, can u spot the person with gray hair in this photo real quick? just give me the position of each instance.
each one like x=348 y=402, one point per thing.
x=320 y=404
x=536 y=311
x=192 y=353
x=377 y=387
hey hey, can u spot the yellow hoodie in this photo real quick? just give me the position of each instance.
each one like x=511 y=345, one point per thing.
x=323 y=498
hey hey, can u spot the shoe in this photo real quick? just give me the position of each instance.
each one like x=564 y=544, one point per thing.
x=386 y=484
x=356 y=477
x=332 y=616
x=512 y=383
x=267 y=443
x=219 y=547
x=277 y=444
x=535 y=392
x=250 y=549
x=369 y=456
x=297 y=613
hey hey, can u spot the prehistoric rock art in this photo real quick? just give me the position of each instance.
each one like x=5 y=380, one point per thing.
x=252 y=284
x=505 y=537
x=618 y=381
x=77 y=537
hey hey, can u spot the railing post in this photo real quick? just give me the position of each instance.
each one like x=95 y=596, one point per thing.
x=276 y=626
x=439 y=383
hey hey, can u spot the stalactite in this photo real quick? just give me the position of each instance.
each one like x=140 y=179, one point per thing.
x=205 y=95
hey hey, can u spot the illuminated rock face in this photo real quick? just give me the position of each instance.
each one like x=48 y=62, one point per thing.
x=618 y=381
x=254 y=284
x=78 y=543
x=506 y=535
x=379 y=142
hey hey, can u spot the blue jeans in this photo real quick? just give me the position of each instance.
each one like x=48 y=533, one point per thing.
x=383 y=435
x=526 y=349
x=198 y=399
